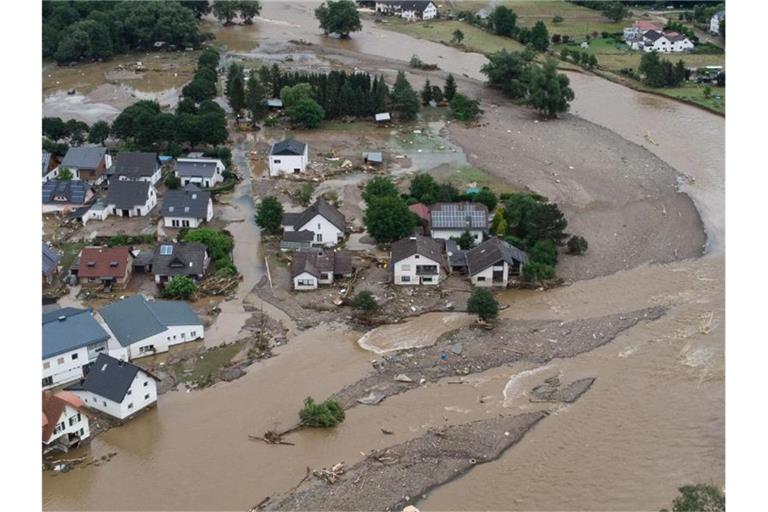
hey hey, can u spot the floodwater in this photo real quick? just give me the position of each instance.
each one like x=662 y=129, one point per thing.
x=420 y=331
x=653 y=420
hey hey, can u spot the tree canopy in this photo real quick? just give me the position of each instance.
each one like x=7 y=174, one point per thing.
x=465 y=109
x=483 y=304
x=502 y=21
x=379 y=186
x=269 y=214
x=338 y=17
x=180 y=287
x=387 y=218
x=405 y=100
x=550 y=91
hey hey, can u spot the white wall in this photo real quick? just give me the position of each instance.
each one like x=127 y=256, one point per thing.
x=67 y=367
x=311 y=282
x=173 y=335
x=326 y=234
x=143 y=210
x=285 y=164
x=407 y=268
x=141 y=394
x=487 y=274
x=71 y=424
x=447 y=234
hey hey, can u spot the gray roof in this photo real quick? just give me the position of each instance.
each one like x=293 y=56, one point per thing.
x=652 y=35
x=125 y=195
x=190 y=202
x=417 y=244
x=109 y=378
x=135 y=318
x=46 y=162
x=298 y=236
x=317 y=261
x=491 y=252
x=84 y=157
x=275 y=103
x=319 y=207
x=194 y=168
x=135 y=165
x=68 y=329
x=288 y=147
x=457 y=257
x=185 y=259
x=459 y=216
x=50 y=260
x=65 y=192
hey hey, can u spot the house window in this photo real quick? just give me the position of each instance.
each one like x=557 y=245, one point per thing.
x=129 y=393
x=146 y=397
x=193 y=334
x=405 y=268
x=147 y=348
x=146 y=383
x=130 y=406
x=46 y=365
x=74 y=419
x=60 y=360
x=82 y=432
x=318 y=226
x=74 y=356
x=183 y=335
x=277 y=161
x=59 y=428
x=405 y=279
x=47 y=381
x=185 y=223
x=480 y=278
x=416 y=256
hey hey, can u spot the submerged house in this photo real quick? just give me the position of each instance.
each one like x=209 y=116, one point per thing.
x=309 y=269
x=495 y=263
x=65 y=424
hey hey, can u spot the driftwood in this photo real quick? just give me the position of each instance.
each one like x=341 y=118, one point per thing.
x=385 y=456
x=271 y=437
x=330 y=475
x=221 y=285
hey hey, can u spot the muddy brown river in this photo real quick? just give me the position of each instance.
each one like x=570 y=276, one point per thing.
x=653 y=420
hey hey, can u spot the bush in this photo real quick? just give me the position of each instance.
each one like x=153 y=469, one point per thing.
x=271 y=121
x=326 y=414
x=179 y=287
x=269 y=215
x=172 y=182
x=465 y=109
x=577 y=245
x=365 y=301
x=558 y=19
x=304 y=193
x=699 y=498
x=219 y=244
x=544 y=251
x=483 y=304
x=534 y=271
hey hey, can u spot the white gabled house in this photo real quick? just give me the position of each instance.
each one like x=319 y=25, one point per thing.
x=321 y=224
x=65 y=425
x=130 y=198
x=409 y=10
x=141 y=327
x=417 y=260
x=314 y=267
x=116 y=387
x=187 y=207
x=136 y=166
x=663 y=42
x=288 y=157
x=495 y=263
x=714 y=23
x=203 y=172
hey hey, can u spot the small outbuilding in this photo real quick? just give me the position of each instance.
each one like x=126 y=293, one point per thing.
x=289 y=156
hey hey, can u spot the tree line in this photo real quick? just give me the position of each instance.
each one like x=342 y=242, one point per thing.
x=80 y=30
x=228 y=10
x=658 y=72
x=502 y=21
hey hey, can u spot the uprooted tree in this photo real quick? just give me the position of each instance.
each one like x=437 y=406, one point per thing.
x=326 y=414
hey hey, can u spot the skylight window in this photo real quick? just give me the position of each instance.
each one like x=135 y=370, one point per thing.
x=166 y=250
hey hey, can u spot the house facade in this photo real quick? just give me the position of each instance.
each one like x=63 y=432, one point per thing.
x=87 y=163
x=104 y=266
x=288 y=157
x=72 y=340
x=140 y=327
x=136 y=166
x=309 y=269
x=411 y=11
x=203 y=172
x=495 y=263
x=451 y=220
x=131 y=198
x=324 y=221
x=188 y=207
x=714 y=23
x=417 y=260
x=117 y=388
x=65 y=424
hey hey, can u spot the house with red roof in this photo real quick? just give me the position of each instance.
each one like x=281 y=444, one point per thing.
x=109 y=267
x=65 y=424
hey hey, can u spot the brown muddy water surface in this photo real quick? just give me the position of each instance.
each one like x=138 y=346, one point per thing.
x=652 y=421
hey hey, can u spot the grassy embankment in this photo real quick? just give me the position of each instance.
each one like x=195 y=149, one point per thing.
x=578 y=22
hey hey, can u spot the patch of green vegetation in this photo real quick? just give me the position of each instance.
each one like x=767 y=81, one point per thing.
x=475 y=38
x=577 y=21
x=695 y=93
x=70 y=251
x=461 y=177
x=203 y=367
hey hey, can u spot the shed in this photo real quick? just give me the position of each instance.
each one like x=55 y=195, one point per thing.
x=373 y=158
x=382 y=117
x=275 y=103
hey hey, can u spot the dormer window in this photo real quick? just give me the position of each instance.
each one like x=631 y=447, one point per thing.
x=91 y=264
x=113 y=264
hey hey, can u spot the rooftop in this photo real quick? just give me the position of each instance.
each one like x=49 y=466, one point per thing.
x=320 y=207
x=103 y=261
x=136 y=318
x=288 y=147
x=84 y=157
x=417 y=244
x=65 y=192
x=190 y=202
x=109 y=378
x=68 y=329
x=319 y=261
x=493 y=251
x=459 y=216
x=196 y=167
x=184 y=258
x=135 y=165
x=53 y=406
x=125 y=195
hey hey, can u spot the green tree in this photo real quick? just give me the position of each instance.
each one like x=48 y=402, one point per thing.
x=577 y=245
x=306 y=112
x=426 y=93
x=499 y=225
x=198 y=7
x=249 y=9
x=487 y=197
x=326 y=414
x=235 y=90
x=458 y=36
x=437 y=94
x=292 y=95
x=76 y=130
x=65 y=174
x=532 y=219
x=404 y=98
x=269 y=214
x=465 y=109
x=422 y=186
x=172 y=182
x=483 y=304
x=338 y=17
x=466 y=241
x=540 y=36
x=255 y=96
x=388 y=219
x=99 y=132
x=449 y=91
x=616 y=11
x=699 y=498
x=225 y=10
x=544 y=251
x=209 y=57
x=219 y=244
x=179 y=287
x=502 y=21
x=550 y=91
x=536 y=272
x=365 y=301
x=54 y=128
x=379 y=186
x=510 y=72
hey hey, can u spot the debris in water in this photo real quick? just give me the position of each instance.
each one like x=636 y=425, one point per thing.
x=373 y=398
x=403 y=378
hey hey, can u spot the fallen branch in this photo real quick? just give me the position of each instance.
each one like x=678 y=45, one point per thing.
x=332 y=474
x=271 y=437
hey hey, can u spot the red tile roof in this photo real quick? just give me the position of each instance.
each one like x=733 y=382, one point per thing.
x=421 y=210
x=104 y=261
x=53 y=406
x=646 y=25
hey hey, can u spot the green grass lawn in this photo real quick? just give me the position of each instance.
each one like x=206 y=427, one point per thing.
x=695 y=94
x=70 y=252
x=462 y=177
x=206 y=365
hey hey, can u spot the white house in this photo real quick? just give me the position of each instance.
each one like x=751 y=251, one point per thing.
x=639 y=28
x=309 y=269
x=136 y=166
x=188 y=207
x=451 y=220
x=72 y=339
x=714 y=23
x=326 y=224
x=409 y=10
x=494 y=263
x=288 y=157
x=130 y=198
x=203 y=172
x=417 y=260
x=140 y=327
x=666 y=42
x=116 y=387
x=65 y=424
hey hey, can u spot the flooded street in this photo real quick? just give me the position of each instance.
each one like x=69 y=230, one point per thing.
x=653 y=420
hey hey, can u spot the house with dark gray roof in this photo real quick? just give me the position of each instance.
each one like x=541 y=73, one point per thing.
x=187 y=207
x=495 y=263
x=451 y=220
x=116 y=387
x=142 y=327
x=457 y=257
x=180 y=259
x=417 y=260
x=50 y=264
x=72 y=339
x=136 y=166
x=314 y=267
x=87 y=163
x=326 y=223
x=64 y=195
x=130 y=198
x=289 y=156
x=203 y=172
